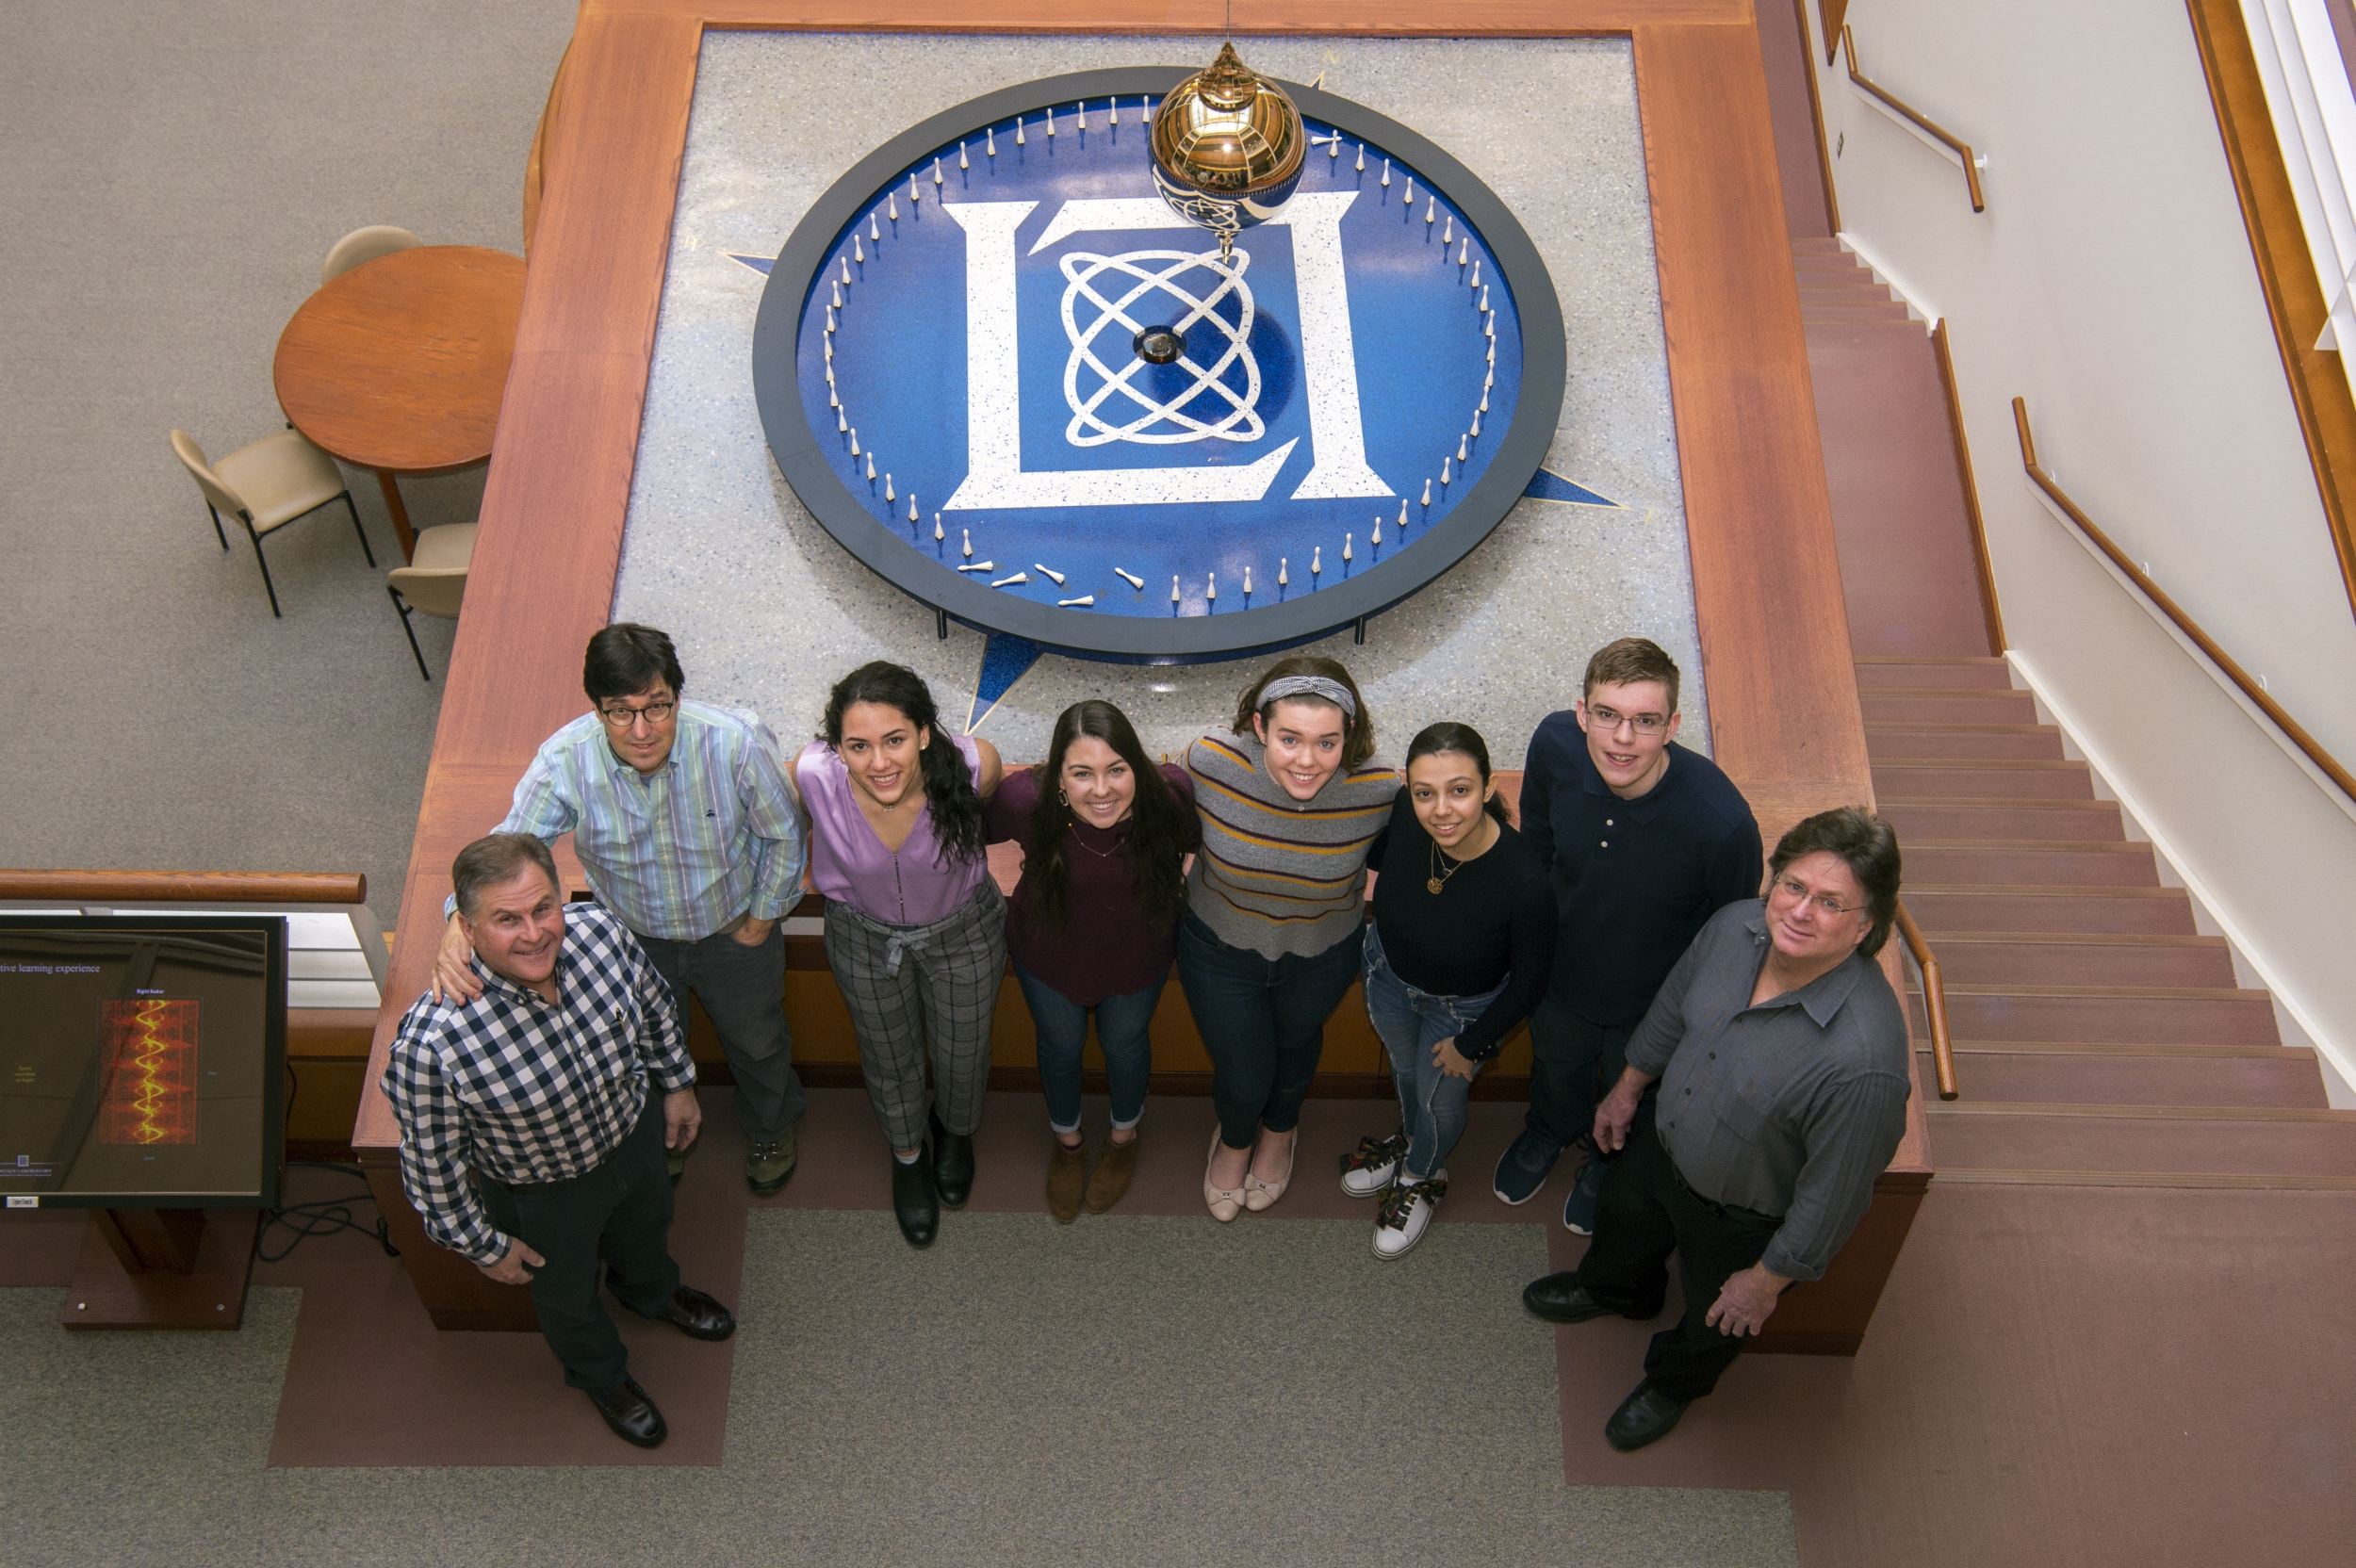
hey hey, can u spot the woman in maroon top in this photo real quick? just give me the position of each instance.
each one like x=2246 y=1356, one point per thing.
x=1091 y=925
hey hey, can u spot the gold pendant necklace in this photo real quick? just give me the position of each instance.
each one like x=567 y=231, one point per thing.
x=1439 y=877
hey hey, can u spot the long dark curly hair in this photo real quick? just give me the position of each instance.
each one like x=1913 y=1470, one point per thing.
x=1156 y=842
x=949 y=794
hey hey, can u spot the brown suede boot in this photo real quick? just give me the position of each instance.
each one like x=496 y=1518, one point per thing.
x=1066 y=1169
x=1111 y=1179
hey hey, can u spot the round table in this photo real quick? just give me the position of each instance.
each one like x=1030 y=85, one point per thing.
x=399 y=364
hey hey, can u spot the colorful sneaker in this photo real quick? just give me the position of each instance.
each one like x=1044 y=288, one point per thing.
x=1522 y=1170
x=1366 y=1171
x=1406 y=1214
x=1579 y=1209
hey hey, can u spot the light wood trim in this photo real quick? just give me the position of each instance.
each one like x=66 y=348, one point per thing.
x=1816 y=114
x=2274 y=710
x=1362 y=19
x=1916 y=117
x=536 y=161
x=2295 y=301
x=188 y=886
x=1989 y=611
x=1834 y=15
x=1933 y=1004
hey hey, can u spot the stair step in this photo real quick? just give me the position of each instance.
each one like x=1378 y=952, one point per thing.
x=2083 y=821
x=2278 y=1078
x=1917 y=705
x=1829 y=312
x=1940 y=908
x=1988 y=743
x=2151 y=1145
x=2048 y=864
x=1820 y=245
x=1923 y=674
x=2053 y=959
x=2162 y=1015
x=1962 y=778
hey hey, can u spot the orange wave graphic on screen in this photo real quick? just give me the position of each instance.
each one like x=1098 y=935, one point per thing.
x=150 y=1050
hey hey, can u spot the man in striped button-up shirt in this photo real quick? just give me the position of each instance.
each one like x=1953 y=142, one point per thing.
x=687 y=828
x=528 y=1142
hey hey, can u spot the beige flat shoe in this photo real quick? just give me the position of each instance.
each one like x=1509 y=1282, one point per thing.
x=1258 y=1195
x=1225 y=1203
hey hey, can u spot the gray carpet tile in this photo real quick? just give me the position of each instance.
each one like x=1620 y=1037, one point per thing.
x=170 y=178
x=1137 y=1390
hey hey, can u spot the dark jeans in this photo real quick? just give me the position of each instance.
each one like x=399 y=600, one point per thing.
x=1646 y=1213
x=1262 y=1021
x=1573 y=1063
x=743 y=989
x=1122 y=1028
x=620 y=1212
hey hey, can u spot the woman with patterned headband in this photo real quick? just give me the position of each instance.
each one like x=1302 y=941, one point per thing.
x=1291 y=800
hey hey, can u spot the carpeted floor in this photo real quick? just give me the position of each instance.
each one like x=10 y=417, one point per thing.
x=171 y=177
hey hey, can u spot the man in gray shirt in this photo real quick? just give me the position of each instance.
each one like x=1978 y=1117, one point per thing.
x=1779 y=1054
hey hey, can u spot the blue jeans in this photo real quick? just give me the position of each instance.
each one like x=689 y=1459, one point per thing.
x=1431 y=1103
x=1262 y=1021
x=1122 y=1028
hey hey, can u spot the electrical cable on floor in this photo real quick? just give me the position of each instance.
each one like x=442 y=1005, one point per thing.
x=322 y=1217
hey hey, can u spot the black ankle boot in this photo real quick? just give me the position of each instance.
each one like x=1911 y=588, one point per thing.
x=953 y=1165
x=914 y=1204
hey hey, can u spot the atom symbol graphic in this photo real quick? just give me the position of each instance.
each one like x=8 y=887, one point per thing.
x=1147 y=273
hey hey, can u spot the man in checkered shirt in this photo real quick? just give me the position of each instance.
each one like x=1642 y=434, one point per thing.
x=529 y=1141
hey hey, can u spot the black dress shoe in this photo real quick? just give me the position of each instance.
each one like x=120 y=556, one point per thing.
x=1561 y=1298
x=631 y=1415
x=1645 y=1417
x=694 y=1314
x=953 y=1165
x=914 y=1203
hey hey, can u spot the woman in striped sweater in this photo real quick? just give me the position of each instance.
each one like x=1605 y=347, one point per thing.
x=1290 y=799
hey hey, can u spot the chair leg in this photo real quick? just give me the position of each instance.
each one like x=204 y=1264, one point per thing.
x=358 y=530
x=268 y=585
x=214 y=513
x=402 y=605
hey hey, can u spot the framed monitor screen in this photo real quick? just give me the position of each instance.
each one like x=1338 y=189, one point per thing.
x=142 y=1060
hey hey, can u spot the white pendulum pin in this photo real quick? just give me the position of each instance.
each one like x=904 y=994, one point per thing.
x=854 y=440
x=1334 y=147
x=1386 y=174
x=966 y=534
x=870 y=467
x=979 y=566
x=1211 y=593
x=1048 y=571
x=1019 y=140
x=1376 y=537
x=1475 y=430
x=1362 y=157
x=888 y=495
x=1051 y=119
x=842 y=419
x=912 y=506
x=1081 y=111
x=1464 y=449
x=829 y=348
x=1431 y=210
x=1173 y=590
x=1427 y=492
x=1083 y=602
x=1464 y=249
x=859 y=251
x=1130 y=578
x=830 y=317
x=1484 y=300
x=1491 y=329
x=916 y=193
x=838 y=297
x=1411 y=192
x=990 y=142
x=1316 y=561
x=1402 y=516
x=937 y=169
x=891 y=205
x=1493 y=349
x=1476 y=275
x=1447 y=231
x=846 y=270
x=939 y=533
x=1347 y=552
x=1284 y=572
x=1247 y=582
x=1010 y=582
x=1443 y=472
x=961 y=163
x=872 y=232
x=1112 y=108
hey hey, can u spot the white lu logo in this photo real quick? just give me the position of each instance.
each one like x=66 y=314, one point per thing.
x=1089 y=428
x=1329 y=361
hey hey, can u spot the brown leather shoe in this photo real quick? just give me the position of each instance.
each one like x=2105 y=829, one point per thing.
x=1066 y=1169
x=1115 y=1165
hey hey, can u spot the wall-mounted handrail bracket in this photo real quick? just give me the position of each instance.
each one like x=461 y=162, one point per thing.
x=1933 y=1004
x=1921 y=121
x=2243 y=682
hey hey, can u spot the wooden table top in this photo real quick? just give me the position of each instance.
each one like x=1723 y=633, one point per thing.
x=399 y=364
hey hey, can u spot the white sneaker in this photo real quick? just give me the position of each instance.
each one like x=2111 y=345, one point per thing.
x=1367 y=1171
x=1406 y=1214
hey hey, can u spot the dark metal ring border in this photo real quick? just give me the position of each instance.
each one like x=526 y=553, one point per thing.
x=809 y=472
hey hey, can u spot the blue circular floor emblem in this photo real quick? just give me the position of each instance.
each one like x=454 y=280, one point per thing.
x=1002 y=373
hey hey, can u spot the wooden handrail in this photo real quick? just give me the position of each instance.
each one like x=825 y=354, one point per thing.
x=537 y=160
x=2324 y=760
x=1933 y=1004
x=1990 y=614
x=187 y=887
x=1918 y=119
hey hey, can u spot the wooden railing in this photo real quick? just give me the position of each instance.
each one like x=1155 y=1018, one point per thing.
x=187 y=887
x=1920 y=121
x=1933 y=1004
x=1991 y=615
x=2258 y=695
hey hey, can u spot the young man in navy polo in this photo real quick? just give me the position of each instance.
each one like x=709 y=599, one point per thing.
x=1645 y=841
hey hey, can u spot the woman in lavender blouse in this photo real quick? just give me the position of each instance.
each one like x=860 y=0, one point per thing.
x=1093 y=926
x=915 y=927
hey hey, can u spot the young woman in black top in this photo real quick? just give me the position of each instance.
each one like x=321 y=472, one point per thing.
x=1459 y=954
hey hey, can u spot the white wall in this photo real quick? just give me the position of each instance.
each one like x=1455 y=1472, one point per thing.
x=2110 y=283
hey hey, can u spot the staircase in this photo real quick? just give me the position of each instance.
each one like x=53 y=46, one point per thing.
x=2100 y=1038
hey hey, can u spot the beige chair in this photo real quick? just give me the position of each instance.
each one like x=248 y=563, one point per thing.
x=434 y=581
x=378 y=239
x=268 y=485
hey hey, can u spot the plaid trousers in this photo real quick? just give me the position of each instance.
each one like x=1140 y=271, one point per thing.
x=913 y=986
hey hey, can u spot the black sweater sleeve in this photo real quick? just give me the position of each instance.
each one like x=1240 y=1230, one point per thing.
x=1531 y=931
